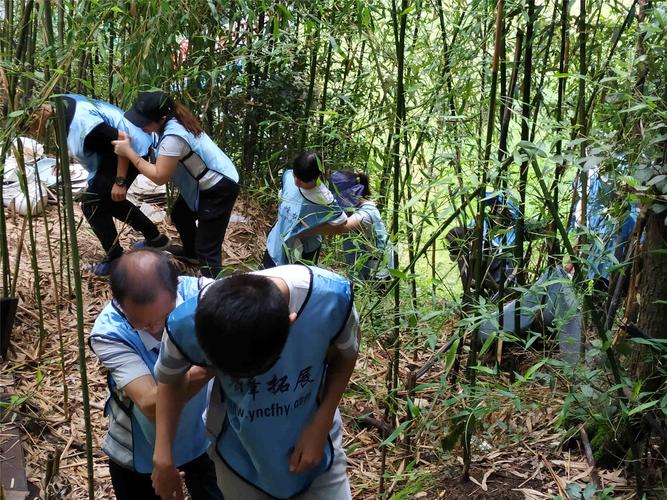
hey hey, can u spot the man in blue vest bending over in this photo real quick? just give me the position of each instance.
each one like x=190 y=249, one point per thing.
x=126 y=338
x=283 y=342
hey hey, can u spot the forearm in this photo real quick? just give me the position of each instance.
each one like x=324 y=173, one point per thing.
x=330 y=229
x=146 y=398
x=122 y=166
x=170 y=401
x=148 y=169
x=338 y=376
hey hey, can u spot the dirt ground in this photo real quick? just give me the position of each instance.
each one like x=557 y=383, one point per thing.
x=52 y=423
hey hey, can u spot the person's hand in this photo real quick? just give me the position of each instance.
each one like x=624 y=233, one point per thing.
x=167 y=481
x=123 y=145
x=118 y=193
x=309 y=447
x=569 y=268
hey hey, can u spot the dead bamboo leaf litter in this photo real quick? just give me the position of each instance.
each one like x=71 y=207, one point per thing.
x=501 y=451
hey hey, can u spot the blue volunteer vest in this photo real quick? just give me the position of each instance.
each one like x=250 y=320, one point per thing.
x=607 y=237
x=500 y=240
x=296 y=214
x=191 y=436
x=212 y=156
x=88 y=114
x=365 y=257
x=266 y=414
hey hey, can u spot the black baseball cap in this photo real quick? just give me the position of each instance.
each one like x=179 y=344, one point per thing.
x=150 y=107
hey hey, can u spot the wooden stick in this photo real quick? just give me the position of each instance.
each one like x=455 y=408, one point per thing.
x=595 y=476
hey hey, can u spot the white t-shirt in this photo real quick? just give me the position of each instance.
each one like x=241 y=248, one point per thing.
x=177 y=147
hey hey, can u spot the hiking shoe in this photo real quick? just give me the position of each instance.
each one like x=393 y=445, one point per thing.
x=159 y=243
x=177 y=252
x=102 y=268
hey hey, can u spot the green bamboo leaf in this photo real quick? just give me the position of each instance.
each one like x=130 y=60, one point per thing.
x=392 y=437
x=531 y=371
x=642 y=407
x=485 y=369
x=451 y=355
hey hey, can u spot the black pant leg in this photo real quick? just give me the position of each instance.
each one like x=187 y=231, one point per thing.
x=131 y=485
x=215 y=209
x=100 y=209
x=184 y=220
x=311 y=257
x=124 y=211
x=267 y=261
x=201 y=480
x=97 y=210
x=127 y=212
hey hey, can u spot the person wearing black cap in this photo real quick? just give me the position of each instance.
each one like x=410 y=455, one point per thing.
x=206 y=178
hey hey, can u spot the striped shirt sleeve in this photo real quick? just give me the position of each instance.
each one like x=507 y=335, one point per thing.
x=171 y=364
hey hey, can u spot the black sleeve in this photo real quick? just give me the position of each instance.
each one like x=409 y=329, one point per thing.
x=99 y=139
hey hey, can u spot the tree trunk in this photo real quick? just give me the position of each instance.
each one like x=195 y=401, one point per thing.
x=652 y=293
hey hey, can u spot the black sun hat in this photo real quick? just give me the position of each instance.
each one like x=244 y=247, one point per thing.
x=150 y=107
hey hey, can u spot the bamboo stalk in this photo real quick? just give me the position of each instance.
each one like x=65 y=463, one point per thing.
x=479 y=226
x=56 y=296
x=525 y=136
x=325 y=89
x=614 y=44
x=507 y=107
x=4 y=248
x=21 y=48
x=23 y=181
x=69 y=206
x=399 y=22
x=447 y=50
x=581 y=115
x=17 y=260
x=537 y=101
x=562 y=80
x=399 y=26
x=311 y=87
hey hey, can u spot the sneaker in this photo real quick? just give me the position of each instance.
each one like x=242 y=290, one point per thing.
x=159 y=243
x=102 y=268
x=177 y=252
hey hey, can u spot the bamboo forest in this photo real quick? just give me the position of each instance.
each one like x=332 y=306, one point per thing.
x=317 y=249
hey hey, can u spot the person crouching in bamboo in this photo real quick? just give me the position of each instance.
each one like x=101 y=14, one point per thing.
x=368 y=251
x=92 y=125
x=305 y=203
x=206 y=178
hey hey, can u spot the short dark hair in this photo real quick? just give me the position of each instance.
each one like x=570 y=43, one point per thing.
x=242 y=323
x=139 y=275
x=457 y=241
x=364 y=181
x=307 y=166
